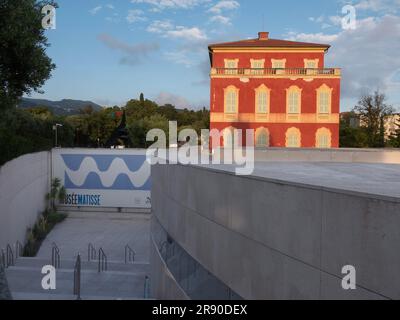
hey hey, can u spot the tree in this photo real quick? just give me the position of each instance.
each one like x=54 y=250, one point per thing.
x=24 y=65
x=394 y=140
x=373 y=110
x=142 y=99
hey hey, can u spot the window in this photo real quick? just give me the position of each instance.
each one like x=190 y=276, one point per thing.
x=262 y=138
x=231 y=65
x=324 y=99
x=293 y=138
x=323 y=138
x=228 y=137
x=231 y=99
x=278 y=64
x=262 y=99
x=311 y=64
x=257 y=66
x=294 y=100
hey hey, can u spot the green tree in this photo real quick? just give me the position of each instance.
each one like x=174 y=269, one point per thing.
x=373 y=110
x=394 y=140
x=138 y=129
x=24 y=65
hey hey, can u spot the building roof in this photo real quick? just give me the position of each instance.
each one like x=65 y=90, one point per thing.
x=263 y=41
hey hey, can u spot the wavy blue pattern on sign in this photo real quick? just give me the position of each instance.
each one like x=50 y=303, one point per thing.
x=107 y=172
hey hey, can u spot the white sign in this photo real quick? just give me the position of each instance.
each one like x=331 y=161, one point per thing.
x=104 y=177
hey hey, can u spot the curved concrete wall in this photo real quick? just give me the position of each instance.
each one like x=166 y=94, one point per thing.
x=273 y=240
x=24 y=183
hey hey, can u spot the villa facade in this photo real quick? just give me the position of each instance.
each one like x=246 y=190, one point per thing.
x=279 y=88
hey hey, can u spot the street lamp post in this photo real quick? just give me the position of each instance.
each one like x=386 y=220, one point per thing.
x=55 y=128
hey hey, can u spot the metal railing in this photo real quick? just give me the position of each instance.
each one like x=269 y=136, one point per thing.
x=77 y=277
x=3 y=259
x=146 y=293
x=9 y=256
x=102 y=261
x=129 y=255
x=91 y=252
x=276 y=71
x=19 y=250
x=55 y=256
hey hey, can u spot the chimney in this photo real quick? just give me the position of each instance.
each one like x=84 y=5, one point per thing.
x=263 y=35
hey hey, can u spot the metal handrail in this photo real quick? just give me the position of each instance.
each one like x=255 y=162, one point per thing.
x=55 y=256
x=129 y=254
x=3 y=258
x=102 y=261
x=77 y=277
x=92 y=254
x=146 y=294
x=9 y=257
x=19 y=250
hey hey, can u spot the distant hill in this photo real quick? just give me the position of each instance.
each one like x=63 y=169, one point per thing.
x=62 y=108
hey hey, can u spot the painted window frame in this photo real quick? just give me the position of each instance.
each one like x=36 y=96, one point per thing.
x=259 y=132
x=263 y=89
x=228 y=90
x=278 y=70
x=257 y=69
x=231 y=131
x=323 y=133
x=231 y=69
x=280 y=61
x=324 y=89
x=289 y=91
x=293 y=131
x=316 y=61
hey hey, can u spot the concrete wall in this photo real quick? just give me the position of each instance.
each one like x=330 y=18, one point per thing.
x=270 y=240
x=330 y=155
x=24 y=183
x=163 y=284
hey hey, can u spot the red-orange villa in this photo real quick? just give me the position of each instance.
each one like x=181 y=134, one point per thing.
x=279 y=88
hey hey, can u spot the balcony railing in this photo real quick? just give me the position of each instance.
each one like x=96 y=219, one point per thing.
x=275 y=72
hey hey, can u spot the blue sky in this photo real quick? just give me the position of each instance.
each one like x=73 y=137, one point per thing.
x=109 y=51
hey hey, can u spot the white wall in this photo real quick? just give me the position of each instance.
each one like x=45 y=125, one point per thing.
x=24 y=183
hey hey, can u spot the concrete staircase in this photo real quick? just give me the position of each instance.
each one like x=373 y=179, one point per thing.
x=120 y=282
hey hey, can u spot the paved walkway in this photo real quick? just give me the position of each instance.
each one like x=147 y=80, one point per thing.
x=109 y=231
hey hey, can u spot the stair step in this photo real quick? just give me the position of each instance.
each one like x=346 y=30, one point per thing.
x=64 y=297
x=85 y=265
x=107 y=284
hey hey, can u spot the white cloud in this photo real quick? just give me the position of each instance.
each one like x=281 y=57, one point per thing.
x=312 y=37
x=388 y=6
x=95 y=10
x=164 y=98
x=224 y=5
x=172 y=4
x=368 y=55
x=191 y=34
x=168 y=30
x=221 y=19
x=135 y=16
x=160 y=26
